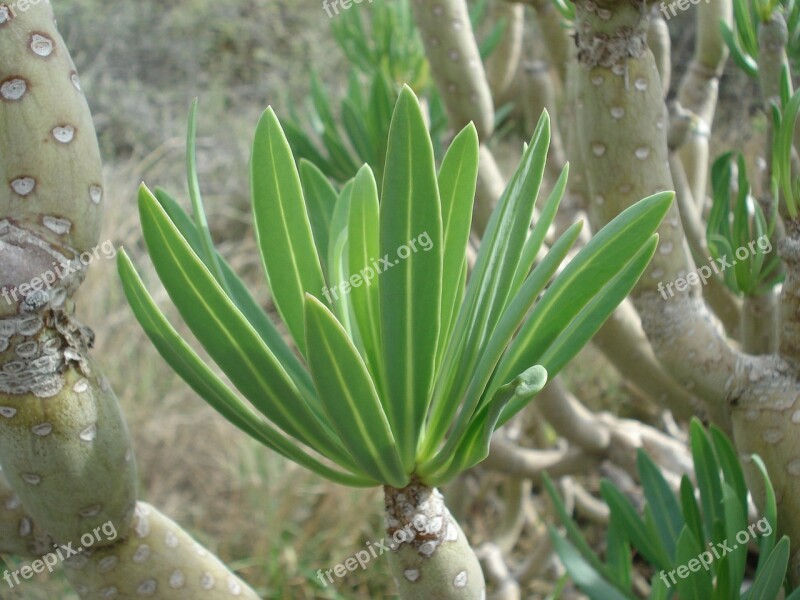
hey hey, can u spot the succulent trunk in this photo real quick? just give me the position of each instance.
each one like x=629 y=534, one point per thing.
x=430 y=557
x=68 y=464
x=623 y=140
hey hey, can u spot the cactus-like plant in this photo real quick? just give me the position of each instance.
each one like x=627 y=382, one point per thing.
x=406 y=366
x=64 y=445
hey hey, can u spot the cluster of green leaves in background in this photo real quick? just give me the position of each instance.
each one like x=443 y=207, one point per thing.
x=742 y=39
x=738 y=223
x=411 y=372
x=385 y=52
x=676 y=529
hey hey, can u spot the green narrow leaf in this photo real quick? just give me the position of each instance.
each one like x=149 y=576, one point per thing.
x=729 y=462
x=770 y=504
x=249 y=307
x=693 y=581
x=690 y=510
x=320 y=197
x=589 y=320
x=735 y=521
x=473 y=445
x=659 y=496
x=282 y=227
x=457 y=181
x=706 y=471
x=582 y=279
x=635 y=529
x=489 y=286
x=191 y=368
x=227 y=336
x=770 y=577
x=209 y=254
x=363 y=250
x=536 y=238
x=582 y=573
x=410 y=288
x=619 y=557
x=349 y=396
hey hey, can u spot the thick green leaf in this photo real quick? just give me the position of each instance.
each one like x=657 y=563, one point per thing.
x=363 y=248
x=582 y=573
x=489 y=286
x=321 y=198
x=476 y=395
x=228 y=337
x=349 y=396
x=191 y=368
x=730 y=465
x=769 y=502
x=410 y=288
x=249 y=307
x=282 y=227
x=706 y=471
x=635 y=529
x=592 y=316
x=536 y=238
x=769 y=578
x=582 y=279
x=457 y=181
x=473 y=445
x=665 y=507
x=693 y=581
x=690 y=510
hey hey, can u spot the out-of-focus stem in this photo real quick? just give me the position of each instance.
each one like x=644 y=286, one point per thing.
x=456 y=63
x=503 y=64
x=699 y=90
x=759 y=329
x=659 y=41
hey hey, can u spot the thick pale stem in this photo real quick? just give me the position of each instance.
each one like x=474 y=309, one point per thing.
x=432 y=558
x=503 y=64
x=456 y=63
x=627 y=159
x=154 y=558
x=759 y=329
x=622 y=124
x=660 y=43
x=699 y=88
